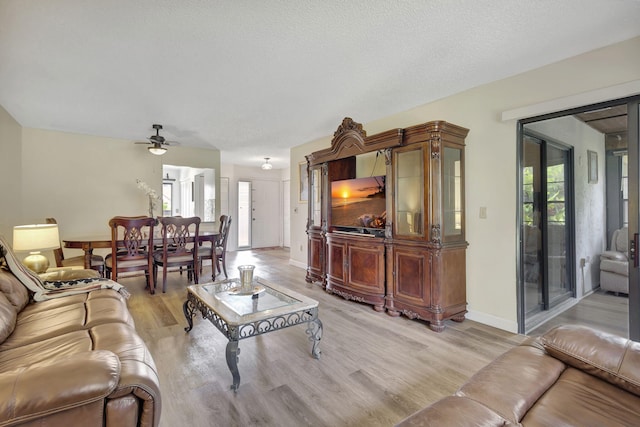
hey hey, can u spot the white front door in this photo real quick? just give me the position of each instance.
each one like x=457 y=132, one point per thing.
x=265 y=214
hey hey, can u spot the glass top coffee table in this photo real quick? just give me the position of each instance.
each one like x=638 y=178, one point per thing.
x=240 y=315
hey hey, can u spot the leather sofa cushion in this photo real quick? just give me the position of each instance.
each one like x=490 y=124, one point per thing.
x=62 y=346
x=42 y=320
x=58 y=384
x=7 y=317
x=609 y=357
x=15 y=291
x=118 y=338
x=617 y=267
x=512 y=383
x=137 y=371
x=580 y=399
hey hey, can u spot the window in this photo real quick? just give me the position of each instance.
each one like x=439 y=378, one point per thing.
x=528 y=195
x=555 y=194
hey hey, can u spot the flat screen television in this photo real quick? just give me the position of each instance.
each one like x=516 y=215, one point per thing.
x=359 y=205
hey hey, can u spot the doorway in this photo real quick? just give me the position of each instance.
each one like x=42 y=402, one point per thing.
x=589 y=132
x=259 y=214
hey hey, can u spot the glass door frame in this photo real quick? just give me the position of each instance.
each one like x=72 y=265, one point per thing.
x=633 y=136
x=633 y=127
x=547 y=302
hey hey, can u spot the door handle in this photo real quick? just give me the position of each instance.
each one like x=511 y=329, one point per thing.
x=633 y=249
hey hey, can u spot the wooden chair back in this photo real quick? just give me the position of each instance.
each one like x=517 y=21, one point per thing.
x=179 y=246
x=178 y=233
x=58 y=254
x=131 y=241
x=221 y=245
x=225 y=225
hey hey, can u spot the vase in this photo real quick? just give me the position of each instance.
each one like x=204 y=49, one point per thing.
x=150 y=207
x=246 y=277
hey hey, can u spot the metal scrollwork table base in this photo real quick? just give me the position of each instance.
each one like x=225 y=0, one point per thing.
x=240 y=316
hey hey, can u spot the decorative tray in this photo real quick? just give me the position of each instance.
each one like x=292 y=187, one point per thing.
x=255 y=290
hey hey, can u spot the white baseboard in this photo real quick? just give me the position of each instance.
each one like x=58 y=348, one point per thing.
x=496 y=322
x=298 y=264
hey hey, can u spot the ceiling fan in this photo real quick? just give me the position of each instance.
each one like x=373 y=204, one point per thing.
x=157 y=143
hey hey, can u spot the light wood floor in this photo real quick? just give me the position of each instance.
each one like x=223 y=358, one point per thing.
x=374 y=369
x=601 y=310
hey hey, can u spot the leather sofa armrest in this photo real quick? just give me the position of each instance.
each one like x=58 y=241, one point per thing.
x=56 y=385
x=614 y=256
x=455 y=411
x=609 y=357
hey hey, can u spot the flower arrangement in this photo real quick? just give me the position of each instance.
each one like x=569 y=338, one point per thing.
x=151 y=194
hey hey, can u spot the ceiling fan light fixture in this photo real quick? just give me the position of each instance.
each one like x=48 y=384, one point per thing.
x=266 y=165
x=158 y=150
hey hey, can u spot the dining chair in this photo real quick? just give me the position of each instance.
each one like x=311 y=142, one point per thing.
x=131 y=241
x=207 y=250
x=179 y=240
x=97 y=261
x=221 y=247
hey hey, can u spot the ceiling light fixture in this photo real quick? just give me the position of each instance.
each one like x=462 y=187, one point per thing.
x=266 y=165
x=157 y=149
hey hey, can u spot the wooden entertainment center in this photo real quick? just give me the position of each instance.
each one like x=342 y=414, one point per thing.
x=399 y=244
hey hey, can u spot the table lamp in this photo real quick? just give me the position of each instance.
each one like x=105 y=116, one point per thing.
x=35 y=238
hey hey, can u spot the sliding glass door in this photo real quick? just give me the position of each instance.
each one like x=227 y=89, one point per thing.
x=547 y=225
x=633 y=110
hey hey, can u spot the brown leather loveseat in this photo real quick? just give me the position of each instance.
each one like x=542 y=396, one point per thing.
x=571 y=376
x=73 y=360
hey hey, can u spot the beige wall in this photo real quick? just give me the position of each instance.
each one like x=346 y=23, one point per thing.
x=83 y=180
x=491 y=164
x=10 y=176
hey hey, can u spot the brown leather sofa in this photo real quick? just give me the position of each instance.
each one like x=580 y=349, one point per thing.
x=571 y=376
x=73 y=360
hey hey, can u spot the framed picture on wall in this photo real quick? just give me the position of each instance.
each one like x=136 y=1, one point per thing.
x=303 y=182
x=592 y=158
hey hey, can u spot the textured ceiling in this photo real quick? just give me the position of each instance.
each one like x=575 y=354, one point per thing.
x=254 y=78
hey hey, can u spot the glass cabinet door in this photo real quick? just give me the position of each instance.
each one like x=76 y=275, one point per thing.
x=315 y=191
x=452 y=194
x=409 y=193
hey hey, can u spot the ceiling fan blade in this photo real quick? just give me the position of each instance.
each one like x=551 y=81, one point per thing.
x=157 y=141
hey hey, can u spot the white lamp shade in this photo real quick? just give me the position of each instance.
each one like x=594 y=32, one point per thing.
x=35 y=237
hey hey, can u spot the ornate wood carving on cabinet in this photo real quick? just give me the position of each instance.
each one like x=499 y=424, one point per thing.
x=410 y=259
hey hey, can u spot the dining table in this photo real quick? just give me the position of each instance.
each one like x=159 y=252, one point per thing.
x=89 y=243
